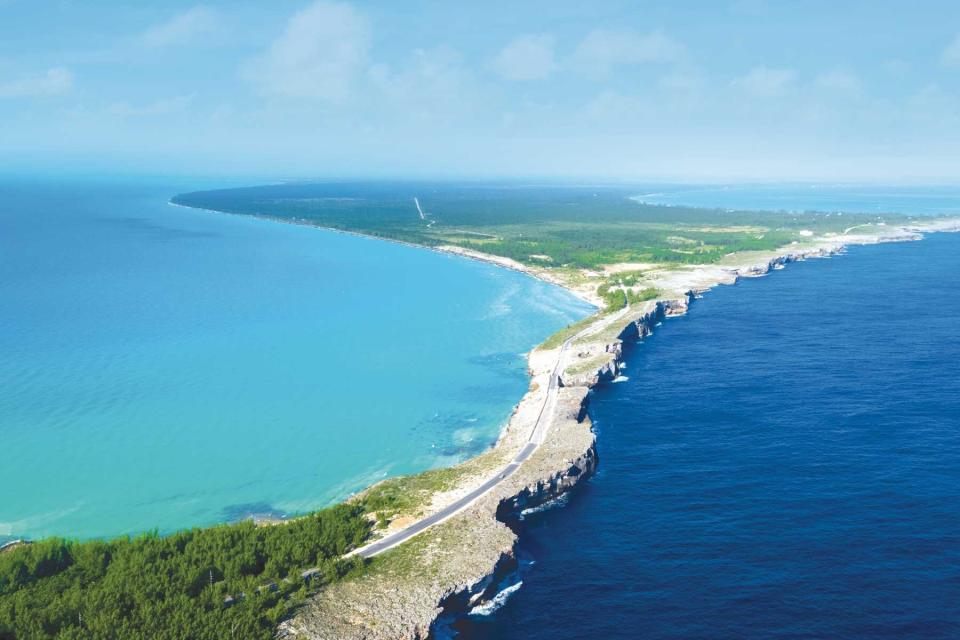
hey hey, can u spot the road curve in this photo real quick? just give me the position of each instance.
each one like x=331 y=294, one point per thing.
x=537 y=436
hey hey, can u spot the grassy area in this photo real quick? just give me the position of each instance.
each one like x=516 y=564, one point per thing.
x=425 y=557
x=409 y=495
x=555 y=226
x=629 y=278
x=588 y=365
x=408 y=559
x=557 y=339
x=616 y=297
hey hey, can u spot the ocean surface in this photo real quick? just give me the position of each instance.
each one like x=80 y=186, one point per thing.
x=783 y=462
x=163 y=367
x=916 y=201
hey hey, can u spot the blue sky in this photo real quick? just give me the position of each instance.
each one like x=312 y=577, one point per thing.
x=738 y=90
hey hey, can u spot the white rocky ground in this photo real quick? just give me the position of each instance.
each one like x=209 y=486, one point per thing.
x=456 y=564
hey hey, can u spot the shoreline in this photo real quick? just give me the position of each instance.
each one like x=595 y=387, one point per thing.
x=388 y=604
x=505 y=263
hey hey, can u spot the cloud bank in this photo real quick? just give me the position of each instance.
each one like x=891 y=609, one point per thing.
x=318 y=55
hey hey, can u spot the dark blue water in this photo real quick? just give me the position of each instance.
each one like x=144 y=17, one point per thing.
x=784 y=462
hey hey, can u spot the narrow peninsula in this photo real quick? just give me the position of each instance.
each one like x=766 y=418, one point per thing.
x=402 y=554
x=445 y=541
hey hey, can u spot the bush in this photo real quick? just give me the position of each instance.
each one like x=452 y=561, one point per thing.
x=174 y=586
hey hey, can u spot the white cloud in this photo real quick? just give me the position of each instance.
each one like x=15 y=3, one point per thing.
x=529 y=57
x=181 y=28
x=896 y=67
x=604 y=49
x=318 y=56
x=612 y=107
x=428 y=71
x=682 y=82
x=55 y=81
x=431 y=87
x=839 y=81
x=160 y=107
x=765 y=82
x=932 y=103
x=951 y=55
x=749 y=7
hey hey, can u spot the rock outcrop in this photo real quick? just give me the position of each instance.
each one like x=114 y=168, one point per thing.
x=458 y=564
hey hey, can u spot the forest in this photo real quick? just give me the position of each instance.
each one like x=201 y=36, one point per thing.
x=543 y=225
x=228 y=581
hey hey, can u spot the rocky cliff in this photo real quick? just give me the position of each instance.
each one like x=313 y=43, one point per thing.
x=458 y=564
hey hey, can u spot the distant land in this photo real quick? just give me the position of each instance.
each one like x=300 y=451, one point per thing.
x=562 y=227
x=408 y=550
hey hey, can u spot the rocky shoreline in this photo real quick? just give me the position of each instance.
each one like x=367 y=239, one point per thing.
x=390 y=605
x=459 y=564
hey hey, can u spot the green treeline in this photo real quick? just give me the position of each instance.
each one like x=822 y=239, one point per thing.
x=590 y=245
x=615 y=297
x=574 y=226
x=175 y=587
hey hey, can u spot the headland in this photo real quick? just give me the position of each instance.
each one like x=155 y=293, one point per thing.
x=438 y=544
x=449 y=549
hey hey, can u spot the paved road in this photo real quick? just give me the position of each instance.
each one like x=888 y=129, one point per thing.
x=537 y=436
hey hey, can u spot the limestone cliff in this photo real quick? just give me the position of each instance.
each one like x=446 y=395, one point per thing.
x=459 y=563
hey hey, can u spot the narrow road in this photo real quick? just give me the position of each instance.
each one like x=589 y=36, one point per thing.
x=537 y=436
x=857 y=226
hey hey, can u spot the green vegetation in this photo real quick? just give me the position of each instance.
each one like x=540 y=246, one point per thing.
x=590 y=245
x=423 y=558
x=177 y=586
x=174 y=587
x=616 y=297
x=569 y=331
x=408 y=559
x=630 y=278
x=649 y=293
x=588 y=365
x=240 y=580
x=408 y=495
x=552 y=226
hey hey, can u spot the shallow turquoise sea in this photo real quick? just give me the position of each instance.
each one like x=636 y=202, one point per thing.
x=163 y=367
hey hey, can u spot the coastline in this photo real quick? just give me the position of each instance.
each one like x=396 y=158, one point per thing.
x=461 y=561
x=505 y=263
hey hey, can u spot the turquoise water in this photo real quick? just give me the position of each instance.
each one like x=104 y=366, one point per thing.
x=166 y=367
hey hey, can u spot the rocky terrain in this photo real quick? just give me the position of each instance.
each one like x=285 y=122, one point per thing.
x=460 y=563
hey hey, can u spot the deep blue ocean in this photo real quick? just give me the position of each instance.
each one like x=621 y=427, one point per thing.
x=164 y=367
x=783 y=462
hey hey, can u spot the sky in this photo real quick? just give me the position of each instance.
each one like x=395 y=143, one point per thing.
x=739 y=90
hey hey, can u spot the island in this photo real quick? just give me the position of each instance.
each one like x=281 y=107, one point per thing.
x=393 y=559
